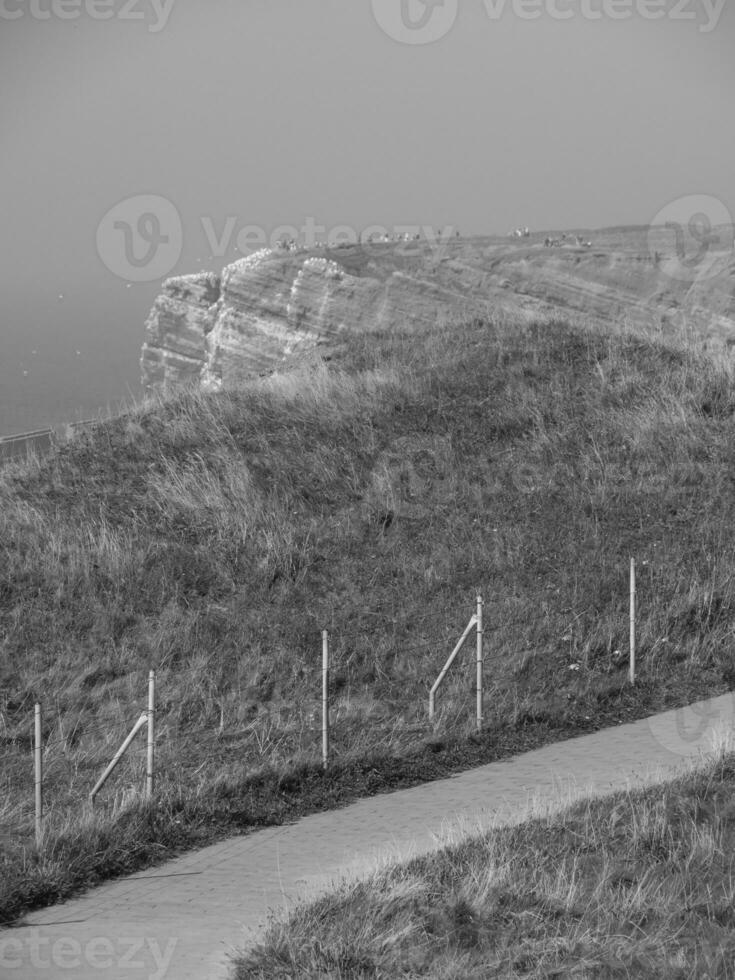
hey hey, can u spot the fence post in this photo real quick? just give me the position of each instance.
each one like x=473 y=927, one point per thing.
x=118 y=755
x=149 y=761
x=37 y=751
x=447 y=665
x=631 y=672
x=479 y=663
x=325 y=698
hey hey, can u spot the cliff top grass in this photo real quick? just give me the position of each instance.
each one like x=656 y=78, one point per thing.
x=213 y=536
x=639 y=884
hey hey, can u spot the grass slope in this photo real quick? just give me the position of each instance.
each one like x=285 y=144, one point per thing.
x=213 y=537
x=639 y=884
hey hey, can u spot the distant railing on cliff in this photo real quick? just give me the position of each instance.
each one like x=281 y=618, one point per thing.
x=39 y=440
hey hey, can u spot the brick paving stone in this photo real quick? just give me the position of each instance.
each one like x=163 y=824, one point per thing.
x=182 y=920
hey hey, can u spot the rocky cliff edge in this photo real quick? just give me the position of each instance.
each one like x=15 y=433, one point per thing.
x=274 y=304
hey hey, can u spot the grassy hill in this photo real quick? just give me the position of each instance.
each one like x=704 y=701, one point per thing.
x=212 y=537
x=638 y=884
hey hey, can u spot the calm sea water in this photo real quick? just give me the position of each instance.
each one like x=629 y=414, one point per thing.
x=66 y=359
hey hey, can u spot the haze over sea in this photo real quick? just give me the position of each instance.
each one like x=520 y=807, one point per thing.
x=63 y=360
x=43 y=381
x=485 y=118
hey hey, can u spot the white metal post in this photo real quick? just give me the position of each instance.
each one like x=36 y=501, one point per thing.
x=325 y=698
x=37 y=751
x=631 y=673
x=151 y=709
x=447 y=665
x=478 y=617
x=118 y=755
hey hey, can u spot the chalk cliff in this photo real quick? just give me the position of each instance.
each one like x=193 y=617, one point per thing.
x=274 y=305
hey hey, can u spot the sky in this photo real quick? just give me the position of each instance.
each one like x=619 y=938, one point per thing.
x=148 y=138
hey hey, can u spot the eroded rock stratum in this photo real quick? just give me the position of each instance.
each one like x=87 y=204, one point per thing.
x=274 y=305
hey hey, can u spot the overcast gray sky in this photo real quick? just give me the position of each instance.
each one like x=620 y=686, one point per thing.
x=478 y=114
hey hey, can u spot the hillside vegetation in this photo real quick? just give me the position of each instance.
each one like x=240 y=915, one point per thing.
x=638 y=884
x=212 y=537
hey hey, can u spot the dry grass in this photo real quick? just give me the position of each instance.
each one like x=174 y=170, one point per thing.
x=638 y=884
x=214 y=536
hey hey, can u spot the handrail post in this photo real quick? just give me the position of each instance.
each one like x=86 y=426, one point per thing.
x=448 y=664
x=149 y=759
x=38 y=754
x=118 y=755
x=325 y=699
x=478 y=617
x=631 y=672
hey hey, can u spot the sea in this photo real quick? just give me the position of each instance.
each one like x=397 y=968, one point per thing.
x=70 y=355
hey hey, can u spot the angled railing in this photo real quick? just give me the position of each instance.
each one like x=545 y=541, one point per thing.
x=475 y=621
x=21 y=444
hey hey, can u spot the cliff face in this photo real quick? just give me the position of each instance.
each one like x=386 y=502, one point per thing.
x=628 y=285
x=276 y=304
x=273 y=304
x=176 y=330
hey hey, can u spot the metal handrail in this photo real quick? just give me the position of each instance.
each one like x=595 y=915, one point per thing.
x=143 y=720
x=475 y=621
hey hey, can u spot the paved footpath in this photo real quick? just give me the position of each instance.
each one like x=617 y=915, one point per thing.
x=182 y=921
